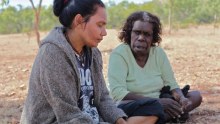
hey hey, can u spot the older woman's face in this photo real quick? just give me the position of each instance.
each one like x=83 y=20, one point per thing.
x=141 y=37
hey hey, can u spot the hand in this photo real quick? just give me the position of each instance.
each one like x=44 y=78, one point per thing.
x=121 y=121
x=186 y=103
x=171 y=107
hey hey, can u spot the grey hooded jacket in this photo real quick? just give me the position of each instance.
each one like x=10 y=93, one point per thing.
x=54 y=86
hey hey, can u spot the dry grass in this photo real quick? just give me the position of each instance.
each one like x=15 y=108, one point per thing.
x=194 y=54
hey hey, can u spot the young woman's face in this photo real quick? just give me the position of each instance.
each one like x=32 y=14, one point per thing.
x=141 y=37
x=95 y=29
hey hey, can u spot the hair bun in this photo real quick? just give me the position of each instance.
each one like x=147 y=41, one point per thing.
x=58 y=6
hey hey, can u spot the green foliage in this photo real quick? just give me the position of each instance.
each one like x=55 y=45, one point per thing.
x=19 y=19
x=188 y=12
x=208 y=12
x=4 y=2
x=26 y=19
x=10 y=24
x=184 y=13
x=48 y=20
x=118 y=13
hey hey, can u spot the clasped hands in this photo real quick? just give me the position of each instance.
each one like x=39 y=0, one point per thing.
x=175 y=108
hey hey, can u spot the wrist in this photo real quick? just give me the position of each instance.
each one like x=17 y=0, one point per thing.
x=181 y=98
x=177 y=94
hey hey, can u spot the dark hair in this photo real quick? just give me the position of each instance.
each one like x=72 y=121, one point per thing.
x=66 y=10
x=125 y=35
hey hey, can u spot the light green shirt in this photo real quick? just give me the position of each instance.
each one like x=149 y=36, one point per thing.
x=125 y=75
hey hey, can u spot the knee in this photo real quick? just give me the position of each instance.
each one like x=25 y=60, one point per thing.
x=196 y=97
x=199 y=97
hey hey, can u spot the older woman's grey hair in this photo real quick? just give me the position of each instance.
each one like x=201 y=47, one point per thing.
x=125 y=35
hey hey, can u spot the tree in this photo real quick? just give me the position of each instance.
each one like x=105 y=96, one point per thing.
x=37 y=19
x=37 y=16
x=209 y=12
x=13 y=26
x=179 y=14
x=4 y=2
x=48 y=19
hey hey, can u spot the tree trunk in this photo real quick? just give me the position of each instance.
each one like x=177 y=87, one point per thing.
x=36 y=28
x=215 y=25
x=170 y=16
x=37 y=19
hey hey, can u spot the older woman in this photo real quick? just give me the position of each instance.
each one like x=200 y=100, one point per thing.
x=139 y=69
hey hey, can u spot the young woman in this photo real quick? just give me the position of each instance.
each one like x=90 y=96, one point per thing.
x=66 y=83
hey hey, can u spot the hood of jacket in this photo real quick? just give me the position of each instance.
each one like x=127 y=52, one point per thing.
x=57 y=37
